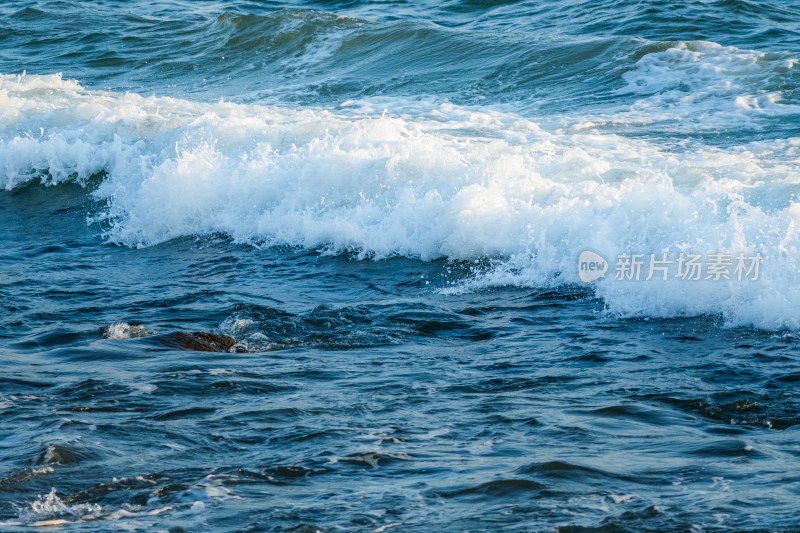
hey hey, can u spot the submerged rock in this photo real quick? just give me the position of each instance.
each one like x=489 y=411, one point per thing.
x=200 y=341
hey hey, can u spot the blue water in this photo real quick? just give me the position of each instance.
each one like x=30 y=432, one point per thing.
x=375 y=211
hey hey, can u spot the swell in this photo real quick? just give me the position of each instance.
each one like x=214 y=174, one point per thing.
x=305 y=56
x=523 y=54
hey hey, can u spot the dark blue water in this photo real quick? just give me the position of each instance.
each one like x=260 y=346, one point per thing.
x=375 y=211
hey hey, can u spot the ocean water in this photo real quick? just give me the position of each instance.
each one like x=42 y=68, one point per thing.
x=383 y=205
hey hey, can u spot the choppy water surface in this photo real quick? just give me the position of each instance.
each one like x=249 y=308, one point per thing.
x=382 y=205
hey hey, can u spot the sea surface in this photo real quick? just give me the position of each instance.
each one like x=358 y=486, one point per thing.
x=383 y=205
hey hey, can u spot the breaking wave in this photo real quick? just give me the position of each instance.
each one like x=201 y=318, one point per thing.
x=429 y=179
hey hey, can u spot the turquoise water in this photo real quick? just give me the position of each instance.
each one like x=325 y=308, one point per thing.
x=376 y=210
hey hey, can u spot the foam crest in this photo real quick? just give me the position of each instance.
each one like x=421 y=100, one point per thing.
x=425 y=180
x=707 y=86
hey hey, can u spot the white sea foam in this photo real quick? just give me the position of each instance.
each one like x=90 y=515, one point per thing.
x=49 y=509
x=142 y=388
x=439 y=180
x=705 y=86
x=123 y=330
